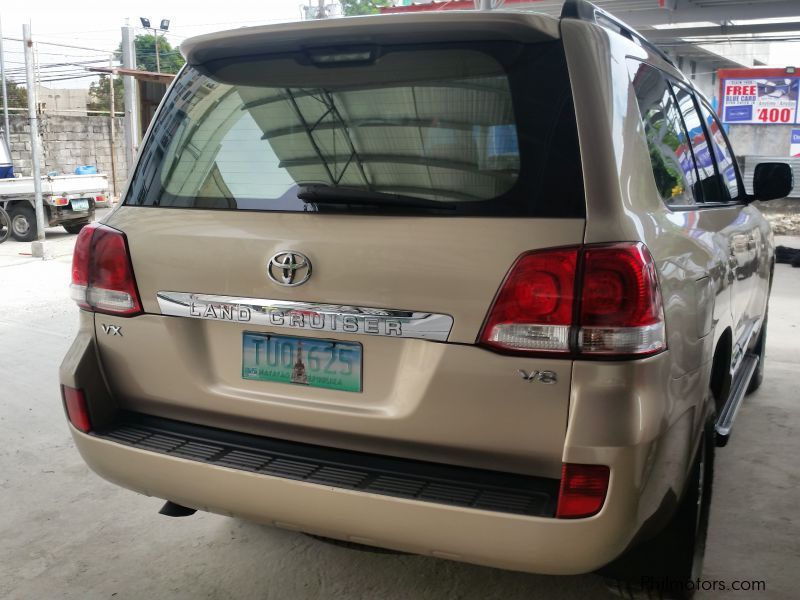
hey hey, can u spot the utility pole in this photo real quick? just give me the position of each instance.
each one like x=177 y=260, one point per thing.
x=131 y=122
x=37 y=247
x=158 y=60
x=112 y=129
x=486 y=4
x=37 y=76
x=6 y=128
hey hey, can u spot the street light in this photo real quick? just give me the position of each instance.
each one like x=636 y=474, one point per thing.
x=163 y=27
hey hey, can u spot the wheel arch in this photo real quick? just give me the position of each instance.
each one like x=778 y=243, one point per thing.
x=721 y=368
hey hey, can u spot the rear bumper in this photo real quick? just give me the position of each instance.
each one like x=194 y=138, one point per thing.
x=494 y=538
x=60 y=215
x=503 y=540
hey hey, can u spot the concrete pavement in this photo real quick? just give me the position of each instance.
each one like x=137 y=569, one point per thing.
x=59 y=243
x=65 y=533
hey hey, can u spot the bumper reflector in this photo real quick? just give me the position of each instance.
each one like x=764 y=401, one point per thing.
x=583 y=490
x=77 y=409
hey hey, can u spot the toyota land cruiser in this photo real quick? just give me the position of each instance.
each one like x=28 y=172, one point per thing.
x=477 y=285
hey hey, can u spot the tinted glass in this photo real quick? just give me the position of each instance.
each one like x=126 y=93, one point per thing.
x=483 y=129
x=726 y=161
x=700 y=147
x=670 y=152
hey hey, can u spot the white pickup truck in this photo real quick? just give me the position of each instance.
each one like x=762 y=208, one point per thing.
x=69 y=200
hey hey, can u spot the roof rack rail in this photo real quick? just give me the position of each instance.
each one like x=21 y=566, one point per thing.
x=586 y=11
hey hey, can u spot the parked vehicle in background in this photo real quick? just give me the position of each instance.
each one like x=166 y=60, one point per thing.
x=5 y=226
x=69 y=200
x=6 y=167
x=484 y=286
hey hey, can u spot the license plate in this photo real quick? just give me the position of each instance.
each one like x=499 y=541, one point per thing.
x=326 y=364
x=80 y=205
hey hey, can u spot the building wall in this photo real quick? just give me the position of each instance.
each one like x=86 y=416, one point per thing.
x=762 y=140
x=70 y=141
x=62 y=101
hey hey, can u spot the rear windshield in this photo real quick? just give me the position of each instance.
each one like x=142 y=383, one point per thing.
x=474 y=129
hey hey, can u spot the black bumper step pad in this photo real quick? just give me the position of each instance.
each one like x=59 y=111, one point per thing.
x=376 y=474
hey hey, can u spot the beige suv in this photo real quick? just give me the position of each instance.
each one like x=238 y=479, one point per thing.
x=480 y=286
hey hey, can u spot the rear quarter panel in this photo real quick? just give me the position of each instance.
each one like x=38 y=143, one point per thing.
x=665 y=414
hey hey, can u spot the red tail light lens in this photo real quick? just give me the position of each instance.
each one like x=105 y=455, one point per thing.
x=102 y=274
x=583 y=490
x=77 y=409
x=620 y=310
x=533 y=310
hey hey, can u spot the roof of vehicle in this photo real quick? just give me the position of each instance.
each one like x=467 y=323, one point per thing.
x=373 y=29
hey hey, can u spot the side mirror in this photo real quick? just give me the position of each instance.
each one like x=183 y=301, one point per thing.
x=772 y=180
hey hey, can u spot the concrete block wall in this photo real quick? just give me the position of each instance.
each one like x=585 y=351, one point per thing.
x=761 y=140
x=70 y=141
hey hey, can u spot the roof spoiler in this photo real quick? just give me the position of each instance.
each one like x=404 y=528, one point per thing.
x=586 y=11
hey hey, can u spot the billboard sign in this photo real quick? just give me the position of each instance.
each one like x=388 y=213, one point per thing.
x=759 y=101
x=794 y=148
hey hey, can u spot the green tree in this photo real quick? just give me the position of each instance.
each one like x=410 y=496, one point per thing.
x=169 y=57
x=17 y=95
x=145 y=47
x=100 y=96
x=363 y=7
x=170 y=60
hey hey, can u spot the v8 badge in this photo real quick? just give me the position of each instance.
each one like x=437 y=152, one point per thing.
x=548 y=377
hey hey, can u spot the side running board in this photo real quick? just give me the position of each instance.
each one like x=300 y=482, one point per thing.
x=738 y=389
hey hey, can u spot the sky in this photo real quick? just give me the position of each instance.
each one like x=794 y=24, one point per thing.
x=97 y=29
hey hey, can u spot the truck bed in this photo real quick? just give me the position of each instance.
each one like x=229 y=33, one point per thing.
x=59 y=185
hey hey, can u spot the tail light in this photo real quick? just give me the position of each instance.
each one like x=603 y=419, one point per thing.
x=102 y=274
x=590 y=300
x=99 y=198
x=621 y=310
x=60 y=201
x=583 y=490
x=533 y=310
x=77 y=409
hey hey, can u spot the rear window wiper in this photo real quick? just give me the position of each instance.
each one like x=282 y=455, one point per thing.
x=326 y=194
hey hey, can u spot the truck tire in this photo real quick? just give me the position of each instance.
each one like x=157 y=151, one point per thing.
x=23 y=222
x=76 y=227
x=5 y=225
x=668 y=565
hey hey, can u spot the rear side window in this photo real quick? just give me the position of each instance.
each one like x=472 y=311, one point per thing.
x=670 y=150
x=726 y=161
x=476 y=129
x=697 y=136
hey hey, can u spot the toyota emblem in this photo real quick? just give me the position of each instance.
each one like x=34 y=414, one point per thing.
x=289 y=268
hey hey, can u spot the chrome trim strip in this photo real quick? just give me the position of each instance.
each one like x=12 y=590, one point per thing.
x=310 y=316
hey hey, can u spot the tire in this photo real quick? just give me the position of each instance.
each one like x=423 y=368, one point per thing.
x=23 y=222
x=76 y=227
x=5 y=225
x=760 y=351
x=672 y=561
